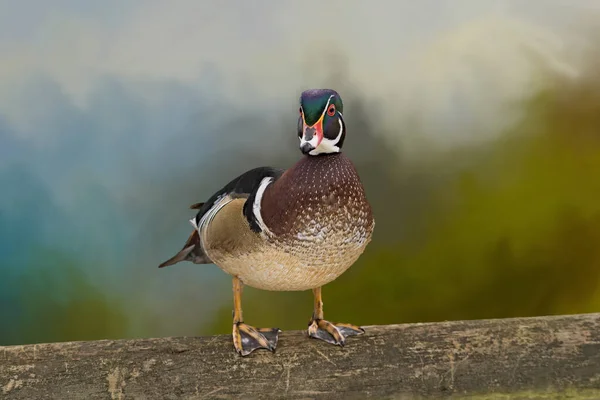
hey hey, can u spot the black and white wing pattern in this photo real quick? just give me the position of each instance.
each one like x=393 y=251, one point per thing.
x=249 y=185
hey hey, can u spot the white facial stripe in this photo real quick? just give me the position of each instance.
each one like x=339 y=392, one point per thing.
x=339 y=136
x=326 y=106
x=256 y=205
x=329 y=145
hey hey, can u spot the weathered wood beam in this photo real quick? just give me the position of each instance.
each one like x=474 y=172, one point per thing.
x=542 y=357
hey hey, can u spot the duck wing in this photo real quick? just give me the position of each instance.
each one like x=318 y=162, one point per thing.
x=246 y=186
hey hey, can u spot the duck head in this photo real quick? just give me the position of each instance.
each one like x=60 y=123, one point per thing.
x=321 y=127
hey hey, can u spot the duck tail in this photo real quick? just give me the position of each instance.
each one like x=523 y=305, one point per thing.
x=191 y=251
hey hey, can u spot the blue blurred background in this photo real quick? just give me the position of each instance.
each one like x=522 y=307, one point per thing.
x=474 y=124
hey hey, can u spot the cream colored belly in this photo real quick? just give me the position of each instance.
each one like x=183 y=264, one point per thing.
x=278 y=269
x=304 y=263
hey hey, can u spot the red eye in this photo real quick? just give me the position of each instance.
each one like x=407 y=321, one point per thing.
x=331 y=110
x=300 y=110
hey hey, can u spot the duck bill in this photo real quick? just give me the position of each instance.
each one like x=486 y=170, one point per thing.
x=312 y=136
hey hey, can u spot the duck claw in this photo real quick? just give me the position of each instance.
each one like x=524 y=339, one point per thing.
x=247 y=338
x=335 y=334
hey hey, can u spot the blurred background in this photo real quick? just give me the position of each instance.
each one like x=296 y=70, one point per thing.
x=475 y=126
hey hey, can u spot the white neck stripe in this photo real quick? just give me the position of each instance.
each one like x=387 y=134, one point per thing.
x=257 y=202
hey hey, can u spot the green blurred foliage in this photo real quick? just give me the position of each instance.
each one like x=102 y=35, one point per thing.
x=515 y=232
x=59 y=303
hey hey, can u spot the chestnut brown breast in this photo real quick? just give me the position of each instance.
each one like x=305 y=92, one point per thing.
x=317 y=196
x=319 y=222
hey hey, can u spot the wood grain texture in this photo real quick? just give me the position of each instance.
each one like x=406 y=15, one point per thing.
x=543 y=357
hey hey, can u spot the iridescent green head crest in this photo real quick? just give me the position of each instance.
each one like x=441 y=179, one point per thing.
x=321 y=127
x=313 y=103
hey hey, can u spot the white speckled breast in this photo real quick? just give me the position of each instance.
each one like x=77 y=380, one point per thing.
x=320 y=223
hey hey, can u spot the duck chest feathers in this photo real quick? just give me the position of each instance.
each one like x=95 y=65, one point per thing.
x=319 y=200
x=297 y=230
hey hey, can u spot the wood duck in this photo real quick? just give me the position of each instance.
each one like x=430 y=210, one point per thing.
x=288 y=230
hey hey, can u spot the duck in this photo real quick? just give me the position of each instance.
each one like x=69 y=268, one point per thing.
x=296 y=229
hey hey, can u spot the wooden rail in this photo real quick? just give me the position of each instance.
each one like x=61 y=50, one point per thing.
x=544 y=357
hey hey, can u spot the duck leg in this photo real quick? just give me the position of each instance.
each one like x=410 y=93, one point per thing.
x=247 y=338
x=319 y=328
